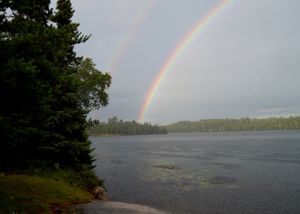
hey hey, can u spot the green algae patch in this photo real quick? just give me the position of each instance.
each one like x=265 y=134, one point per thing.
x=34 y=194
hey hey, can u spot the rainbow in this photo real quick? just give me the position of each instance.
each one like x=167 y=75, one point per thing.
x=129 y=38
x=171 y=59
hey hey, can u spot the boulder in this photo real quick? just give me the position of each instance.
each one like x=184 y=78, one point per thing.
x=100 y=193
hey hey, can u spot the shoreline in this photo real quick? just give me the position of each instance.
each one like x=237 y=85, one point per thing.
x=98 y=206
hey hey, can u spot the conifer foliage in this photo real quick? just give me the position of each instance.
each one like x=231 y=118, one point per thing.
x=42 y=118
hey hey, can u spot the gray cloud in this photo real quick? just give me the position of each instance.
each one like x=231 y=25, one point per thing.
x=244 y=63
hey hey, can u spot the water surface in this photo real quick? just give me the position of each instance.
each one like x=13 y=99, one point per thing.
x=241 y=172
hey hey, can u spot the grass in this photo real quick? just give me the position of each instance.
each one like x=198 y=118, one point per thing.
x=36 y=194
x=84 y=178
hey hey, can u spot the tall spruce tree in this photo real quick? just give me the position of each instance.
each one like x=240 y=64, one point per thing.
x=42 y=121
x=71 y=146
x=26 y=75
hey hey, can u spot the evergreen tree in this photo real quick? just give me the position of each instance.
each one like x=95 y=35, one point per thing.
x=25 y=79
x=41 y=117
x=68 y=143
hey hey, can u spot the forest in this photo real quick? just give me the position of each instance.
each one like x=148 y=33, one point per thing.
x=115 y=126
x=242 y=124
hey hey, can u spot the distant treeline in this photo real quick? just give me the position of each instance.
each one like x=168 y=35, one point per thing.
x=114 y=126
x=243 y=124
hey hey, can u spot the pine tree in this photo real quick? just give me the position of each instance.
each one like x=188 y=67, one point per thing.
x=42 y=121
x=25 y=76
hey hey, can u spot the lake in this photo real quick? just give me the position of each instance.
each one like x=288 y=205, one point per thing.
x=236 y=172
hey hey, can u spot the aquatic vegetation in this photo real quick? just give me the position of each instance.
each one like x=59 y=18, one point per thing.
x=167 y=172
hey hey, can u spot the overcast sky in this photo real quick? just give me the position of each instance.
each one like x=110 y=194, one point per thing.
x=246 y=62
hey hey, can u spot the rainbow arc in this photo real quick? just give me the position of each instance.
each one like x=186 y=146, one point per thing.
x=129 y=38
x=174 y=55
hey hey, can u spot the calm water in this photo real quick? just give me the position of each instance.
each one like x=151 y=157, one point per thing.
x=244 y=172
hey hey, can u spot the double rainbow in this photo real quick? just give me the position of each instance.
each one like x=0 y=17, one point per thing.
x=171 y=59
x=120 y=53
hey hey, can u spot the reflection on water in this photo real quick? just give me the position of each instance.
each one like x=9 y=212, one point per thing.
x=257 y=172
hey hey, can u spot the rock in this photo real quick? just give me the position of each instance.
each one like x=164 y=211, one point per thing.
x=100 y=194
